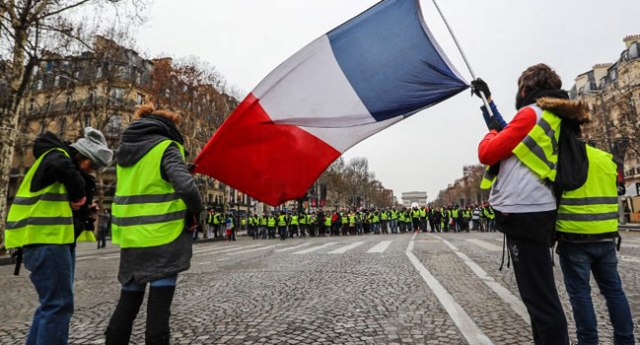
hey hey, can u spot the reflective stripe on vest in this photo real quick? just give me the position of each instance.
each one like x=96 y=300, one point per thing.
x=146 y=209
x=487 y=178
x=539 y=149
x=593 y=208
x=41 y=217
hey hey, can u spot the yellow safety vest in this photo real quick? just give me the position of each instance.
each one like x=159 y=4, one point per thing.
x=146 y=210
x=538 y=151
x=41 y=217
x=593 y=208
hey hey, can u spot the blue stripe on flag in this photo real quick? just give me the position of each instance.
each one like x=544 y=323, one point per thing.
x=390 y=61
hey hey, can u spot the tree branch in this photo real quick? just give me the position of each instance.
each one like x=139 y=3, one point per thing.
x=60 y=10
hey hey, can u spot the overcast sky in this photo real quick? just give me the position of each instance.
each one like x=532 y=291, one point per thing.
x=246 y=39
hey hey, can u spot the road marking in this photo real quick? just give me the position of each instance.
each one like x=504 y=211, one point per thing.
x=313 y=249
x=344 y=249
x=506 y=295
x=253 y=250
x=210 y=249
x=630 y=245
x=292 y=247
x=470 y=331
x=484 y=244
x=113 y=256
x=628 y=259
x=205 y=263
x=227 y=250
x=380 y=247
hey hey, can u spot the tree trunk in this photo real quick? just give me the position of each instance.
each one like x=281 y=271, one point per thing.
x=8 y=135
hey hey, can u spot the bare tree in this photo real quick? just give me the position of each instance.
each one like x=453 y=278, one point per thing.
x=29 y=31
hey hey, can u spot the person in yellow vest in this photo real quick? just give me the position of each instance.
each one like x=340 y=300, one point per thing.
x=218 y=225
x=209 y=222
x=155 y=207
x=523 y=156
x=327 y=223
x=271 y=225
x=44 y=222
x=282 y=225
x=586 y=230
x=294 y=224
x=304 y=220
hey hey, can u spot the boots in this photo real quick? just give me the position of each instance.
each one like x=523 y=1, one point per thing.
x=119 y=329
x=158 y=313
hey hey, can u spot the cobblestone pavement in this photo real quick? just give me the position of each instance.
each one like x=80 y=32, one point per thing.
x=332 y=290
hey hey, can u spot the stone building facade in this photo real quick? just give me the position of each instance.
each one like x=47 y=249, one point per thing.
x=612 y=91
x=102 y=89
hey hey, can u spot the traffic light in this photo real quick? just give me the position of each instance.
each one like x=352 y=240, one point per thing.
x=638 y=188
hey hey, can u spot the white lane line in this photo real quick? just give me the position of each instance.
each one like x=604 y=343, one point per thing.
x=113 y=256
x=253 y=250
x=470 y=331
x=628 y=259
x=210 y=249
x=484 y=244
x=292 y=247
x=313 y=249
x=222 y=251
x=205 y=263
x=344 y=249
x=380 y=247
x=514 y=302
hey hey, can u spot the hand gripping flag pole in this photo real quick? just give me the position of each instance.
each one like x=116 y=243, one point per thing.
x=464 y=57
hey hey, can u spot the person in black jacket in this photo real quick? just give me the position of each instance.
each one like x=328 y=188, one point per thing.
x=157 y=265
x=49 y=249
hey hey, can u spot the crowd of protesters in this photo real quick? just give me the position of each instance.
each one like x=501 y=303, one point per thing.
x=354 y=221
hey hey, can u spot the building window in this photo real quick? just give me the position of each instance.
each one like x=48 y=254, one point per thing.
x=117 y=95
x=114 y=125
x=139 y=98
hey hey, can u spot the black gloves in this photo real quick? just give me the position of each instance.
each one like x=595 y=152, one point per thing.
x=478 y=86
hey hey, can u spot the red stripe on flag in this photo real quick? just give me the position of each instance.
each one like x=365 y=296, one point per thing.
x=272 y=163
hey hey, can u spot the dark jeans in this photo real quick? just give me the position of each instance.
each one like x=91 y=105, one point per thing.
x=534 y=275
x=52 y=272
x=102 y=237
x=578 y=261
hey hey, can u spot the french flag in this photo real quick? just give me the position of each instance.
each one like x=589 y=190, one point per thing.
x=363 y=76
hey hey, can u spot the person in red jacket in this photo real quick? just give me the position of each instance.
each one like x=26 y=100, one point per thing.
x=525 y=204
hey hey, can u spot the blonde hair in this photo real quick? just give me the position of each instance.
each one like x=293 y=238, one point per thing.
x=150 y=109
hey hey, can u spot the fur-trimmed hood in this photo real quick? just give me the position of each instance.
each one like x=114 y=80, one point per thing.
x=576 y=111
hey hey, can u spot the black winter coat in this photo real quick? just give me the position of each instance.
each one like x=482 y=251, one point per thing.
x=143 y=265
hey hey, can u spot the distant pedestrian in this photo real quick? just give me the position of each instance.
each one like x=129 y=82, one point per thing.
x=104 y=228
x=229 y=227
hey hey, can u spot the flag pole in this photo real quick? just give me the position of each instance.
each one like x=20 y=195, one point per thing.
x=464 y=57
